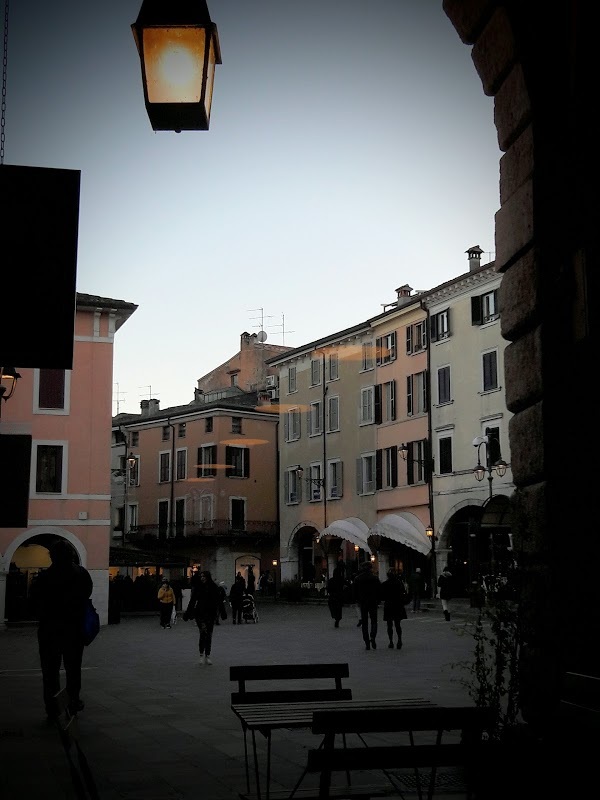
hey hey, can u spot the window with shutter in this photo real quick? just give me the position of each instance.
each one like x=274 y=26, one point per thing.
x=490 y=371
x=445 y=455
x=51 y=394
x=333 y=414
x=444 y=385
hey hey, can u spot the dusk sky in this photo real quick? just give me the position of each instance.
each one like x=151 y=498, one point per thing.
x=351 y=150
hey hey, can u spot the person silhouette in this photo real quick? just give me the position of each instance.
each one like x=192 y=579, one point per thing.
x=59 y=598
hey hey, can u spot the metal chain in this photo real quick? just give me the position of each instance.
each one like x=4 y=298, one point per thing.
x=4 y=67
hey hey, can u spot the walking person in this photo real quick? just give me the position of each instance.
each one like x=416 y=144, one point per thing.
x=203 y=607
x=394 y=602
x=222 y=611
x=251 y=584
x=368 y=594
x=335 y=595
x=416 y=587
x=166 y=600
x=59 y=597
x=236 y=595
x=445 y=586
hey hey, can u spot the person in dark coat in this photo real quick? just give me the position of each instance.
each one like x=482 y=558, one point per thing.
x=335 y=595
x=251 y=585
x=394 y=601
x=236 y=595
x=445 y=586
x=368 y=595
x=59 y=597
x=203 y=607
x=222 y=602
x=416 y=587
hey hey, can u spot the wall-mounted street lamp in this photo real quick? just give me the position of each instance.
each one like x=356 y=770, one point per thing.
x=314 y=481
x=8 y=383
x=499 y=467
x=178 y=46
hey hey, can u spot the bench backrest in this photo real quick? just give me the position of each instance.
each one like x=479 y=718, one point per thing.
x=580 y=702
x=424 y=751
x=288 y=672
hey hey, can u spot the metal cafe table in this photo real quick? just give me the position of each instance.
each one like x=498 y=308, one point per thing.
x=267 y=717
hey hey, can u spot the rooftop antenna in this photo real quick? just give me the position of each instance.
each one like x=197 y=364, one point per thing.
x=283 y=330
x=118 y=395
x=262 y=336
x=150 y=395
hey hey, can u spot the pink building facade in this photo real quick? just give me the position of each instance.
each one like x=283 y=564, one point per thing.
x=67 y=414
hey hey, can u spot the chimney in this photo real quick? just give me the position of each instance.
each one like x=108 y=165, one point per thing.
x=149 y=407
x=403 y=293
x=474 y=254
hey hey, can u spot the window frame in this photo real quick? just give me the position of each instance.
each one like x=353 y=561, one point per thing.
x=292 y=379
x=58 y=410
x=292 y=424
x=335 y=481
x=490 y=371
x=314 y=418
x=368 y=360
x=315 y=372
x=164 y=466
x=292 y=487
x=366 y=462
x=60 y=470
x=333 y=401
x=237 y=461
x=368 y=393
x=444 y=385
x=333 y=367
x=386 y=348
x=181 y=464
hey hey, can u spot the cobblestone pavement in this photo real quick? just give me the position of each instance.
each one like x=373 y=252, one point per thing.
x=157 y=725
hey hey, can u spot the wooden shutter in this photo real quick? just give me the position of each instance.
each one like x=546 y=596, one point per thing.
x=228 y=462
x=359 y=476
x=433 y=328
x=377 y=394
x=378 y=469
x=394 y=463
x=246 y=462
x=409 y=340
x=409 y=395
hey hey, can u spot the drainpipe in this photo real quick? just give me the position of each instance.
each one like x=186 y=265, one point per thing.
x=430 y=462
x=172 y=500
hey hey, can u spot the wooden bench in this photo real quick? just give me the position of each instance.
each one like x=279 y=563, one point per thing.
x=580 y=702
x=436 y=736
x=280 y=674
x=81 y=774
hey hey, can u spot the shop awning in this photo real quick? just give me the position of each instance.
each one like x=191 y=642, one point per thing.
x=352 y=529
x=395 y=527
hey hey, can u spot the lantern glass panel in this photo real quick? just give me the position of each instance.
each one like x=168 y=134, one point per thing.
x=174 y=58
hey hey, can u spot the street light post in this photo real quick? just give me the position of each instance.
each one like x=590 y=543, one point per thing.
x=499 y=467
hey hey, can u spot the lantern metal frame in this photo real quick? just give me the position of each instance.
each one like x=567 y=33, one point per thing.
x=177 y=20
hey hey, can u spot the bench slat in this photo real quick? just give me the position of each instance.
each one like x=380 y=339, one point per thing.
x=272 y=672
x=404 y=719
x=290 y=696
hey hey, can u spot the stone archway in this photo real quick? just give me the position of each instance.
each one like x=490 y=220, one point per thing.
x=545 y=249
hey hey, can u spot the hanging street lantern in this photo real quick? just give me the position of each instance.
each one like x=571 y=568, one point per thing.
x=178 y=45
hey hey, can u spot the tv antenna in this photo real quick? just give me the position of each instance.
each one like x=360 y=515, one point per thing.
x=283 y=330
x=150 y=395
x=118 y=396
x=261 y=336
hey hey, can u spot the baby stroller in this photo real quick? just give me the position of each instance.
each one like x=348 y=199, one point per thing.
x=249 y=612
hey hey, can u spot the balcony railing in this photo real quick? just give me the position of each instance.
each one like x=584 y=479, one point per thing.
x=205 y=529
